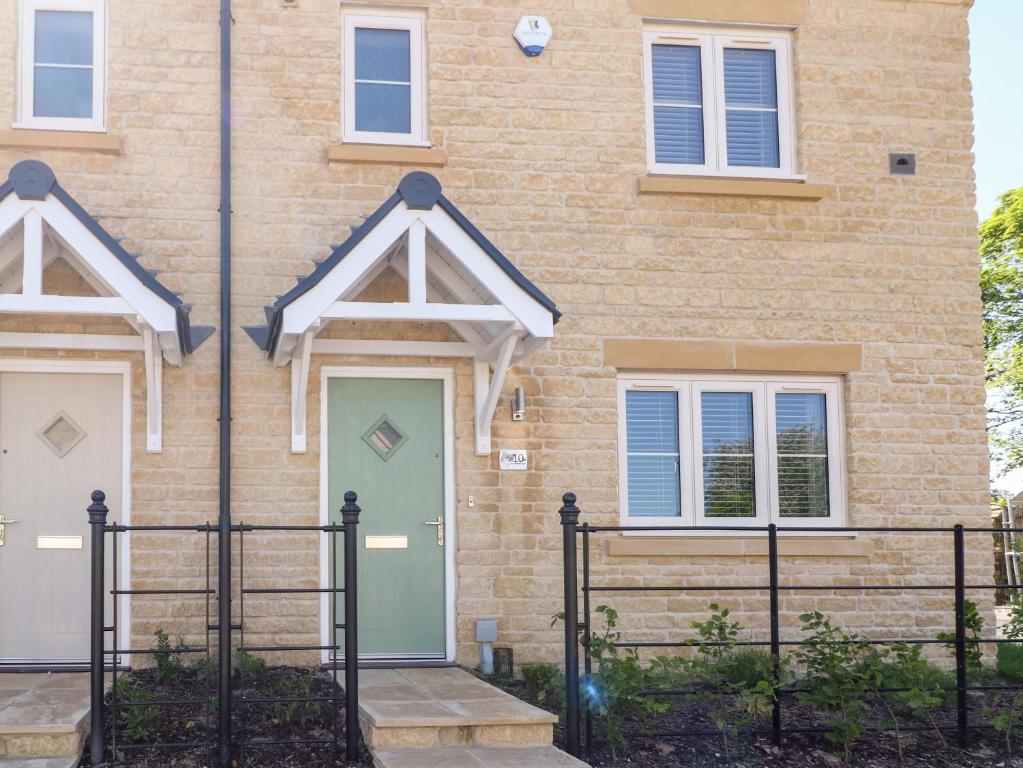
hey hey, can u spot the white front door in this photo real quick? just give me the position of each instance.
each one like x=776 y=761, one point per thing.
x=61 y=437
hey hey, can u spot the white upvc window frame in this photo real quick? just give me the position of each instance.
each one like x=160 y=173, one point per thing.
x=712 y=42
x=763 y=388
x=26 y=67
x=415 y=24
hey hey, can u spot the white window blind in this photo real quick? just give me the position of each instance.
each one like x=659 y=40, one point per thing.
x=751 y=108
x=678 y=104
x=383 y=80
x=653 y=454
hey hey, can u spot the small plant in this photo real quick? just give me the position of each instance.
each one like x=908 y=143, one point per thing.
x=540 y=680
x=1006 y=719
x=974 y=629
x=252 y=668
x=614 y=690
x=838 y=678
x=138 y=722
x=206 y=669
x=292 y=708
x=169 y=666
x=717 y=641
x=746 y=667
x=922 y=686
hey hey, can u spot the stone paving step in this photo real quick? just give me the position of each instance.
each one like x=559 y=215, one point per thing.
x=476 y=757
x=43 y=716
x=39 y=762
x=446 y=707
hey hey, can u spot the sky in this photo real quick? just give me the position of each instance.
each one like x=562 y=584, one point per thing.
x=996 y=54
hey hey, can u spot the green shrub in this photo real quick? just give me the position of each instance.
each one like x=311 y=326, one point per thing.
x=289 y=711
x=1010 y=661
x=746 y=667
x=205 y=669
x=540 y=680
x=730 y=672
x=839 y=669
x=252 y=668
x=169 y=666
x=974 y=629
x=612 y=691
x=137 y=722
x=1005 y=718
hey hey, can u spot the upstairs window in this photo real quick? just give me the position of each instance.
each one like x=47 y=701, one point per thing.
x=62 y=65
x=384 y=79
x=719 y=103
x=735 y=451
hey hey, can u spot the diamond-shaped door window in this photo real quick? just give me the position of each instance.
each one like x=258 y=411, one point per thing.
x=385 y=438
x=61 y=434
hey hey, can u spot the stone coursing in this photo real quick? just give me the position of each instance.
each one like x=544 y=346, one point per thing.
x=543 y=155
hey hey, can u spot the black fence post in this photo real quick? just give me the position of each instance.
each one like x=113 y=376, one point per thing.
x=569 y=520
x=772 y=564
x=962 y=713
x=97 y=523
x=350 y=518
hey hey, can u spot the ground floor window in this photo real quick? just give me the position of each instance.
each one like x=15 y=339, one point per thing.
x=736 y=450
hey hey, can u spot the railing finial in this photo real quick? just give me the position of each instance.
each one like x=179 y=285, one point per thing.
x=350 y=511
x=569 y=512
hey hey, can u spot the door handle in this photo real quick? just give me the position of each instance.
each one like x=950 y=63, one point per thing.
x=439 y=522
x=4 y=522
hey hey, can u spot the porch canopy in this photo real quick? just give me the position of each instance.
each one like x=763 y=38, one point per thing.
x=41 y=224
x=454 y=275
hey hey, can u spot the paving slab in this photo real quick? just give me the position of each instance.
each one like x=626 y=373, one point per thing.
x=39 y=762
x=476 y=757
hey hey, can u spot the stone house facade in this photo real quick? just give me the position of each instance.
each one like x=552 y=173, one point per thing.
x=698 y=195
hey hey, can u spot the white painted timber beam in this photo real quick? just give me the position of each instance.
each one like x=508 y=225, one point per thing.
x=440 y=313
x=417 y=262
x=90 y=341
x=154 y=390
x=65 y=305
x=488 y=391
x=385 y=347
x=465 y=330
x=32 y=265
x=299 y=386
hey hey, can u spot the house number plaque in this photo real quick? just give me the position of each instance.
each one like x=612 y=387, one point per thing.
x=514 y=460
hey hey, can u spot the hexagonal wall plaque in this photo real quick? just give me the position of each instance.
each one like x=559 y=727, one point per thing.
x=385 y=438
x=61 y=434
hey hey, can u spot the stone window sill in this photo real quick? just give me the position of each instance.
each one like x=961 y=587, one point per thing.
x=75 y=140
x=846 y=545
x=386 y=154
x=724 y=186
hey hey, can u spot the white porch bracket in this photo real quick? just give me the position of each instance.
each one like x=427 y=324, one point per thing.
x=299 y=390
x=454 y=276
x=154 y=389
x=488 y=391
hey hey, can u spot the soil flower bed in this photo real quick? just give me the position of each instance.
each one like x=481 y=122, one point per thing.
x=259 y=722
x=647 y=746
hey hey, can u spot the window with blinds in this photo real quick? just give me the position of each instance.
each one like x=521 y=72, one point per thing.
x=653 y=454
x=744 y=450
x=718 y=103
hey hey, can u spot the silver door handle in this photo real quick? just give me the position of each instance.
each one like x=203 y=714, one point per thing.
x=439 y=522
x=4 y=522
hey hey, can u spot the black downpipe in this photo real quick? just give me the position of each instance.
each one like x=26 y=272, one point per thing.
x=224 y=521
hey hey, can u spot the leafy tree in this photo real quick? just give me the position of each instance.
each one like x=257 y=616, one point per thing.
x=1001 y=283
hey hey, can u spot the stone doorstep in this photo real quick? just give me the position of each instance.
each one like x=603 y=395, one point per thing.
x=39 y=762
x=43 y=717
x=424 y=708
x=476 y=757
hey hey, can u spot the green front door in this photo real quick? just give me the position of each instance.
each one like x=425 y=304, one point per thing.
x=386 y=442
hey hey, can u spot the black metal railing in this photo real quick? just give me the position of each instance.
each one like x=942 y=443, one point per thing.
x=578 y=719
x=108 y=655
